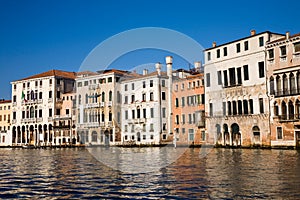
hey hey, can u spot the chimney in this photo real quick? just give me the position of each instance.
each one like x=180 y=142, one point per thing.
x=214 y=44
x=169 y=61
x=253 y=32
x=145 y=72
x=197 y=66
x=158 y=68
x=287 y=35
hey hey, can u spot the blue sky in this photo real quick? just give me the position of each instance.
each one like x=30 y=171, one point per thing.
x=40 y=35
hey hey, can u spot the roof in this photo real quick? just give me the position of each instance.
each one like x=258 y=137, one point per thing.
x=284 y=38
x=107 y=71
x=4 y=101
x=242 y=39
x=56 y=73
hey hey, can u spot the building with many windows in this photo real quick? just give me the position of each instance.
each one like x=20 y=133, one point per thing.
x=283 y=75
x=188 y=108
x=236 y=99
x=98 y=107
x=37 y=101
x=5 y=122
x=146 y=106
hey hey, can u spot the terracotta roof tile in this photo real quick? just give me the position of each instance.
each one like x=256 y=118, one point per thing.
x=4 y=101
x=57 y=73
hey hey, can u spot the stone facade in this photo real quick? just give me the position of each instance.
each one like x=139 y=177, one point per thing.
x=5 y=122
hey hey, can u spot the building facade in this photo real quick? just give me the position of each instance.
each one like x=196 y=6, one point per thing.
x=5 y=123
x=36 y=104
x=236 y=101
x=146 y=107
x=283 y=73
x=98 y=107
x=188 y=108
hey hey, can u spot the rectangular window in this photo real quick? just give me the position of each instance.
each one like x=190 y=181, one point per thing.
x=191 y=134
x=239 y=75
x=218 y=53
x=261 y=69
x=182 y=101
x=67 y=111
x=251 y=105
x=50 y=94
x=132 y=114
x=132 y=98
x=143 y=97
x=86 y=83
x=271 y=53
x=151 y=129
x=40 y=95
x=23 y=114
x=208 y=79
x=240 y=107
x=152 y=112
x=40 y=113
x=126 y=130
x=219 y=77
x=177 y=119
x=190 y=118
x=14 y=98
x=279 y=133
x=283 y=51
x=183 y=118
x=211 y=109
x=14 y=115
x=246 y=72
x=182 y=86
x=234 y=107
x=238 y=47
x=164 y=112
x=261 y=105
x=224 y=108
x=297 y=47
x=126 y=114
x=163 y=95
x=232 y=76
x=144 y=128
x=183 y=131
x=163 y=83
x=208 y=56
x=245 y=106
x=261 y=41
x=125 y=99
x=225 y=78
x=50 y=112
x=144 y=84
x=151 y=96
x=203 y=135
x=225 y=51
x=109 y=79
x=126 y=87
x=132 y=86
x=144 y=113
x=246 y=45
x=176 y=103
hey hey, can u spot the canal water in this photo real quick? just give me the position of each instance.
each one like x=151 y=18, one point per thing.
x=221 y=174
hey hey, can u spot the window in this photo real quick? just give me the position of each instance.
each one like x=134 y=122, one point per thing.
x=279 y=133
x=245 y=107
x=143 y=97
x=246 y=45
x=126 y=87
x=163 y=83
x=110 y=96
x=190 y=118
x=126 y=114
x=239 y=75
x=67 y=111
x=40 y=113
x=151 y=129
x=132 y=86
x=144 y=84
x=125 y=99
x=203 y=135
x=79 y=99
x=23 y=114
x=182 y=101
x=132 y=130
x=176 y=103
x=218 y=53
x=261 y=105
x=225 y=51
x=138 y=113
x=208 y=79
x=183 y=118
x=283 y=51
x=14 y=98
x=261 y=69
x=164 y=112
x=251 y=106
x=234 y=108
x=86 y=83
x=297 y=47
x=208 y=56
x=183 y=131
x=238 y=47
x=50 y=94
x=40 y=95
x=261 y=41
x=177 y=119
x=50 y=112
x=132 y=98
x=182 y=86
x=211 y=109
x=271 y=53
x=132 y=114
x=151 y=83
x=191 y=134
x=144 y=113
x=14 y=115
x=219 y=78
x=109 y=79
x=15 y=86
x=163 y=95
x=224 y=108
x=28 y=84
x=152 y=112
x=144 y=129
x=240 y=107
x=151 y=96
x=246 y=72
x=225 y=78
x=232 y=76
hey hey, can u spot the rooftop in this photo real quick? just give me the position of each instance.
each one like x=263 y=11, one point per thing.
x=55 y=73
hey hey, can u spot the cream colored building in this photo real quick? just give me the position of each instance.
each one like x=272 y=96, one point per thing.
x=5 y=122
x=36 y=103
x=236 y=102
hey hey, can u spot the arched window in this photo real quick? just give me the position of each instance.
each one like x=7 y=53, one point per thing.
x=256 y=134
x=283 y=111
x=272 y=92
x=297 y=109
x=278 y=85
x=31 y=112
x=292 y=84
x=102 y=117
x=291 y=110
x=276 y=109
x=110 y=95
x=285 y=84
x=79 y=99
x=103 y=96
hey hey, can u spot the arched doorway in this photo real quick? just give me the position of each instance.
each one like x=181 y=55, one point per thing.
x=14 y=135
x=106 y=137
x=226 y=135
x=94 y=136
x=218 y=134
x=256 y=135
x=236 y=136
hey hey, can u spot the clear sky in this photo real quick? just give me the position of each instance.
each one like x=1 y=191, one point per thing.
x=40 y=35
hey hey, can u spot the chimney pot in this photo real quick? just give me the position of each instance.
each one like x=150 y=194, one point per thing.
x=214 y=44
x=253 y=32
x=287 y=35
x=169 y=59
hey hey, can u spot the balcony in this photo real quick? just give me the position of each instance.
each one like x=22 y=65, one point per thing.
x=50 y=119
x=102 y=104
x=57 y=117
x=282 y=93
x=139 y=121
x=14 y=121
x=102 y=124
x=109 y=124
x=109 y=104
x=288 y=118
x=201 y=124
x=40 y=119
x=92 y=105
x=93 y=87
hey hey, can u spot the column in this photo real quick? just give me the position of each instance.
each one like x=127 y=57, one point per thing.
x=281 y=83
x=289 y=84
x=296 y=85
x=230 y=136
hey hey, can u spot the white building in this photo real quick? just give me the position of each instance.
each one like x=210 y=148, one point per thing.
x=146 y=107
x=236 y=101
x=36 y=101
x=98 y=107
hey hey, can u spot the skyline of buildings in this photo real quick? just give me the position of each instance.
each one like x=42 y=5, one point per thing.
x=246 y=96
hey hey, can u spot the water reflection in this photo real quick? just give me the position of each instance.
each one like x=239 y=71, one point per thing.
x=223 y=174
